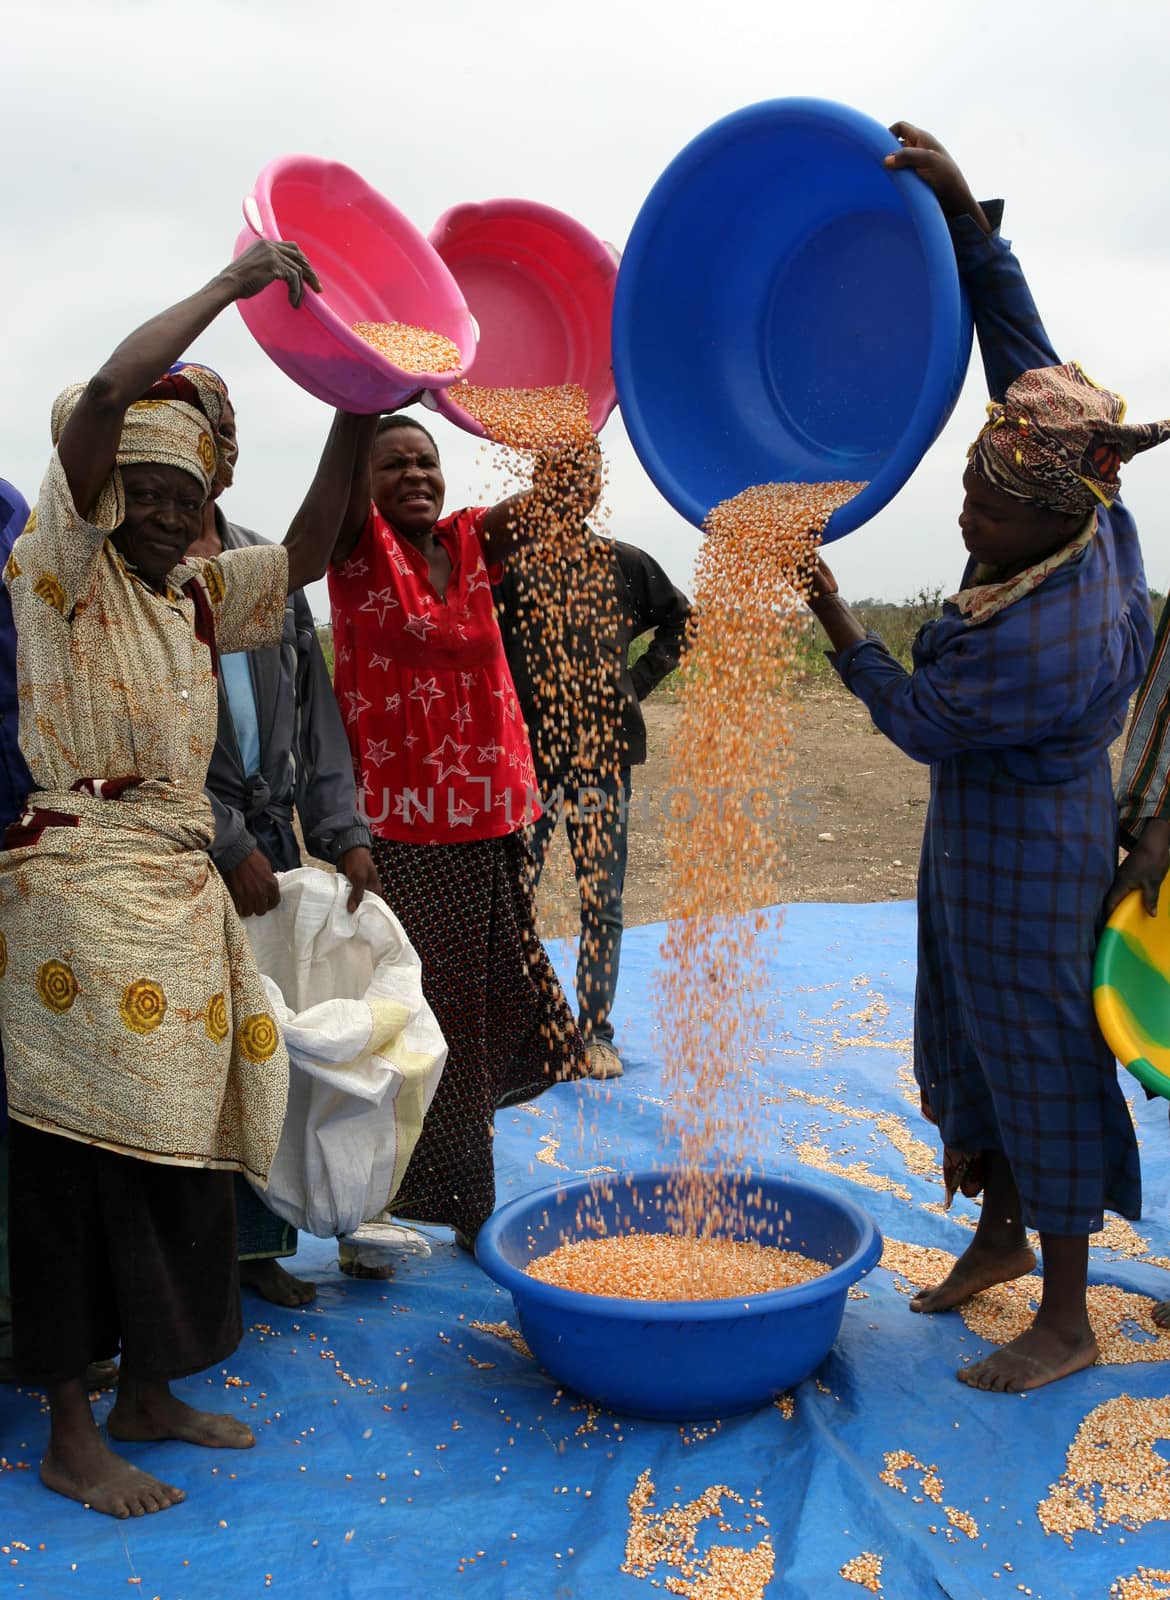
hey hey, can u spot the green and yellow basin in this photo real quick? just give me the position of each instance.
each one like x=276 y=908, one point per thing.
x=1131 y=989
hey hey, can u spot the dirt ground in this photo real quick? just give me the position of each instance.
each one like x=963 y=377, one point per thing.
x=849 y=783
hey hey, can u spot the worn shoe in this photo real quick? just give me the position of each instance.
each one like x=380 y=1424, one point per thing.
x=602 y=1059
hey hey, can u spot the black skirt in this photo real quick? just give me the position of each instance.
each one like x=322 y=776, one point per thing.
x=109 y=1254
x=468 y=911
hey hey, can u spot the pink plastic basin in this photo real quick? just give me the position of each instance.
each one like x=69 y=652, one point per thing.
x=374 y=266
x=540 y=287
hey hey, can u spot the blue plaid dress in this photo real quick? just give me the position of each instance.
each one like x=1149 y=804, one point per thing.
x=1015 y=716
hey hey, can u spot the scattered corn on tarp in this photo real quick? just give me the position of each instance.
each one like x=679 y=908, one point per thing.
x=404 y=1451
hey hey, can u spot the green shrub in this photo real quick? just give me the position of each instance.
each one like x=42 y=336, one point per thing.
x=325 y=640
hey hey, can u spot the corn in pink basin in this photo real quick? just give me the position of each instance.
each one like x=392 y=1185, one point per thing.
x=374 y=266
x=540 y=287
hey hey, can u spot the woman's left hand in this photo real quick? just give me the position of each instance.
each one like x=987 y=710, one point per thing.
x=358 y=866
x=1144 y=868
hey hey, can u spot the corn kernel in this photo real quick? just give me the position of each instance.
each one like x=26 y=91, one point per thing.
x=411 y=349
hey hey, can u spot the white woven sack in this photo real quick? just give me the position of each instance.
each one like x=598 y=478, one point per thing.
x=365 y=1051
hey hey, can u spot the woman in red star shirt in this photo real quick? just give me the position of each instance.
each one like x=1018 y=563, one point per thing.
x=442 y=758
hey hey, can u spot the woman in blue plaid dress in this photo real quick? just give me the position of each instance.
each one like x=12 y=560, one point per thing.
x=1017 y=692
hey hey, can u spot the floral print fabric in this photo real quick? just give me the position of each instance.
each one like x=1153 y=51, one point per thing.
x=132 y=1011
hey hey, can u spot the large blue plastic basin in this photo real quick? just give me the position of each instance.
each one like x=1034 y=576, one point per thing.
x=788 y=310
x=679 y=1360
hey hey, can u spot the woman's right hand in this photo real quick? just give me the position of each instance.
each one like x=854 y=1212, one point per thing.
x=269 y=261
x=826 y=604
x=922 y=153
x=823 y=585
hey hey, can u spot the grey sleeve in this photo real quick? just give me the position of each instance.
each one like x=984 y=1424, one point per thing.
x=232 y=842
x=326 y=795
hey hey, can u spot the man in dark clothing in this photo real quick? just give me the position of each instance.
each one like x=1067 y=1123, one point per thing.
x=281 y=746
x=567 y=625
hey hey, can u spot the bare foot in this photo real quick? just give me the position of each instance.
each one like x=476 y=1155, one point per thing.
x=145 y=1417
x=976 y=1269
x=1037 y=1357
x=1161 y=1313
x=89 y=1471
x=272 y=1283
x=378 y=1272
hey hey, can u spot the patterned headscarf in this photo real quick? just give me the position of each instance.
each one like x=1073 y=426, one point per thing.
x=1058 y=441
x=173 y=425
x=227 y=449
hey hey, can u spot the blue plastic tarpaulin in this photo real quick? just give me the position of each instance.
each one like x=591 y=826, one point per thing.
x=403 y=1451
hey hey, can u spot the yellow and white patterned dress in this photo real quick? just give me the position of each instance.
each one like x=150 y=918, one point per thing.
x=132 y=1012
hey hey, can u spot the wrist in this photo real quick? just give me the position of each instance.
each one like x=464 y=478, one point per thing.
x=840 y=625
x=1156 y=834
x=231 y=856
x=978 y=216
x=225 y=288
x=357 y=837
x=960 y=202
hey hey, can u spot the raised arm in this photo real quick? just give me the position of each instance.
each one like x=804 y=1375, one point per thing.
x=357 y=506
x=565 y=487
x=89 y=441
x=1011 y=335
x=319 y=530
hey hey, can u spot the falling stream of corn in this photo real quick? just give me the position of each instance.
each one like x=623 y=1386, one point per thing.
x=730 y=771
x=729 y=775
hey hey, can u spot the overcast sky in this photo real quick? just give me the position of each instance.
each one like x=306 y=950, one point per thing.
x=130 y=133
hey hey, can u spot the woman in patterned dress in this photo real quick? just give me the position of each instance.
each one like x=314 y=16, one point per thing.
x=144 y=1067
x=442 y=757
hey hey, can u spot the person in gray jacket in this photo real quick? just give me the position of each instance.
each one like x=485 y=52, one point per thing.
x=281 y=750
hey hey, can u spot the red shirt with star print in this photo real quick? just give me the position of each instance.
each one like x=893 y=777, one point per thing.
x=439 y=746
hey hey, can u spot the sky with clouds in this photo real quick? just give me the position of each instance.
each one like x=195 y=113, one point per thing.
x=131 y=132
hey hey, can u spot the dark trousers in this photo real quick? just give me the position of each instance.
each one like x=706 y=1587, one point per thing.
x=596 y=812
x=109 y=1253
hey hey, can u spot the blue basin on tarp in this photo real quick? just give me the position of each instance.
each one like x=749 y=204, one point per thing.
x=671 y=1359
x=788 y=310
